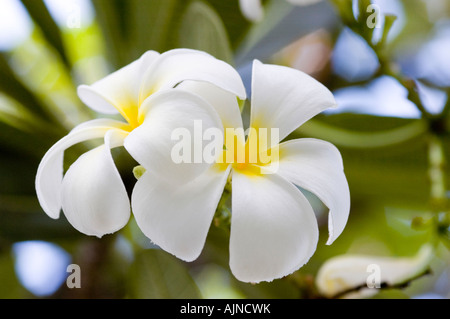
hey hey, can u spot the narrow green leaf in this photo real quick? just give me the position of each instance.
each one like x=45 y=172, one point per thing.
x=151 y=24
x=384 y=158
x=345 y=9
x=365 y=140
x=234 y=21
x=41 y=16
x=12 y=86
x=110 y=15
x=156 y=274
x=202 y=29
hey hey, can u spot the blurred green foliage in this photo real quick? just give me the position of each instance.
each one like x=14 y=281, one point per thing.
x=386 y=159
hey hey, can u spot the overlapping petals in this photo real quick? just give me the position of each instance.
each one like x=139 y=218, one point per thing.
x=93 y=196
x=178 y=217
x=145 y=93
x=125 y=90
x=273 y=227
x=49 y=176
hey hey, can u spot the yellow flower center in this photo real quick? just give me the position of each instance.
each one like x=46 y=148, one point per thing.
x=249 y=157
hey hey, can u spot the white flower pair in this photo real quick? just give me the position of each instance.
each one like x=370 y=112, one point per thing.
x=273 y=227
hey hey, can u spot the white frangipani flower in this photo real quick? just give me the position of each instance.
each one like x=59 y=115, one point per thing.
x=253 y=9
x=343 y=273
x=273 y=227
x=92 y=194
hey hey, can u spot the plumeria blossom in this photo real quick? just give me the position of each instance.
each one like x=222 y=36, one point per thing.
x=344 y=273
x=91 y=193
x=253 y=9
x=273 y=227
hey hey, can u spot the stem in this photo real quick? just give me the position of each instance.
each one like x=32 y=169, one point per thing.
x=436 y=173
x=438 y=189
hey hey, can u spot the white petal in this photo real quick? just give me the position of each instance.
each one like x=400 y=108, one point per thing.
x=177 y=217
x=102 y=123
x=252 y=9
x=346 y=272
x=225 y=103
x=303 y=2
x=178 y=65
x=316 y=166
x=273 y=228
x=166 y=114
x=285 y=98
x=50 y=171
x=94 y=198
x=119 y=89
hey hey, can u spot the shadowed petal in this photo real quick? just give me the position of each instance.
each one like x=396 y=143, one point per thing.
x=94 y=198
x=273 y=228
x=50 y=171
x=177 y=217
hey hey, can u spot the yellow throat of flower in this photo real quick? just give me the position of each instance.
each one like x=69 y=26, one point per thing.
x=249 y=157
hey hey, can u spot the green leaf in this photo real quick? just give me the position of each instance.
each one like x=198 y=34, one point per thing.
x=41 y=16
x=389 y=20
x=364 y=139
x=151 y=24
x=345 y=9
x=416 y=30
x=110 y=15
x=11 y=85
x=202 y=29
x=156 y=274
x=234 y=21
x=385 y=159
x=23 y=219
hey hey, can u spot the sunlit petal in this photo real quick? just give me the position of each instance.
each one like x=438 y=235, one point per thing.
x=285 y=98
x=119 y=91
x=178 y=65
x=177 y=217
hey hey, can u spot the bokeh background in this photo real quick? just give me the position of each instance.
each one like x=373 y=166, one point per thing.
x=392 y=128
